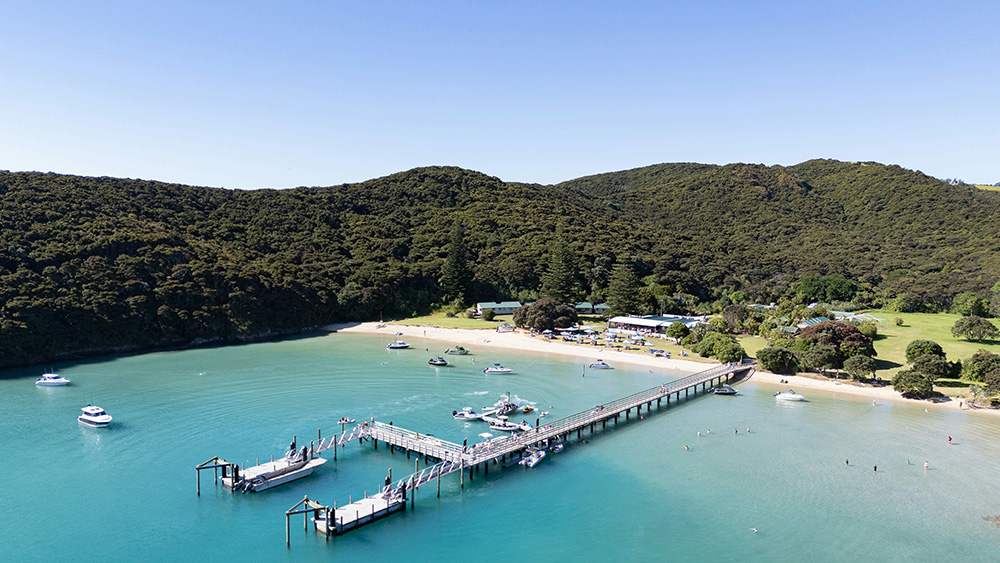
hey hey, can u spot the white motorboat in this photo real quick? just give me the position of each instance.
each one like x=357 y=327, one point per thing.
x=295 y=465
x=496 y=368
x=501 y=423
x=457 y=351
x=600 y=364
x=556 y=448
x=467 y=414
x=94 y=416
x=533 y=459
x=724 y=390
x=397 y=345
x=504 y=405
x=788 y=396
x=438 y=361
x=51 y=380
x=345 y=420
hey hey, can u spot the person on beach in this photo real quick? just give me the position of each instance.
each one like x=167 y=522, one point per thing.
x=875 y=468
x=847 y=462
x=926 y=465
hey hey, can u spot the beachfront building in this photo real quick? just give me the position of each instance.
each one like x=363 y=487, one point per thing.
x=584 y=308
x=500 y=308
x=654 y=323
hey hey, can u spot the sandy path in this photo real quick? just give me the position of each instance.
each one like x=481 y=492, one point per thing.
x=476 y=339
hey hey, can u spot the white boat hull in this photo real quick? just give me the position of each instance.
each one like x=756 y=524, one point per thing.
x=94 y=423
x=261 y=473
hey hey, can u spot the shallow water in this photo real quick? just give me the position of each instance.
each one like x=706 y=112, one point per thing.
x=128 y=492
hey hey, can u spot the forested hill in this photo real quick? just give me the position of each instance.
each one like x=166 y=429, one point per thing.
x=89 y=265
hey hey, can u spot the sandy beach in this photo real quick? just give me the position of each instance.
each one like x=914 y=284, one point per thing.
x=476 y=339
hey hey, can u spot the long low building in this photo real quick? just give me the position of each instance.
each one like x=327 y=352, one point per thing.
x=653 y=322
x=500 y=308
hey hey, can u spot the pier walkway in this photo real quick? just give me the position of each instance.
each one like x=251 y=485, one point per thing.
x=451 y=457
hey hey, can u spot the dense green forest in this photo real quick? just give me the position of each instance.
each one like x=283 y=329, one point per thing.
x=91 y=265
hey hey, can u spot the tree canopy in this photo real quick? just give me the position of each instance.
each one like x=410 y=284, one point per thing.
x=94 y=265
x=974 y=328
x=545 y=314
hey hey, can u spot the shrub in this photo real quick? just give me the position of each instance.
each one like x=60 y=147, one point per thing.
x=912 y=384
x=919 y=348
x=489 y=314
x=860 y=367
x=974 y=328
x=777 y=359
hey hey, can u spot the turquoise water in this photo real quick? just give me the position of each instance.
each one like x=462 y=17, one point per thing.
x=128 y=492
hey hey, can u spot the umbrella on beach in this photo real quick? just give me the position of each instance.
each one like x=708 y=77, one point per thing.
x=546 y=331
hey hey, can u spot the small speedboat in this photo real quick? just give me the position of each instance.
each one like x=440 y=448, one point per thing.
x=345 y=420
x=501 y=423
x=397 y=345
x=457 y=351
x=788 y=396
x=556 y=448
x=51 y=380
x=724 y=390
x=94 y=416
x=504 y=407
x=600 y=364
x=533 y=459
x=466 y=414
x=438 y=361
x=496 y=368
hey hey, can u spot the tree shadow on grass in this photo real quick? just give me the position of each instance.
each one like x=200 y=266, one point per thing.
x=886 y=364
x=951 y=383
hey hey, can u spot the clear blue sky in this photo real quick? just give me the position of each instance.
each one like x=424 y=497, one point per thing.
x=279 y=94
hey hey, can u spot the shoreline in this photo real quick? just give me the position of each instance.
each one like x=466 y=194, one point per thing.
x=480 y=338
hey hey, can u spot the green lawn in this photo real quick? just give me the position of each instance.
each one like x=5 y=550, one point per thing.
x=892 y=341
x=442 y=320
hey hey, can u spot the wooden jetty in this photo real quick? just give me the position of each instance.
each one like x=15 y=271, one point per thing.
x=451 y=457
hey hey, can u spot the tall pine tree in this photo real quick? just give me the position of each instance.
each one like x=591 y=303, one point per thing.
x=561 y=280
x=623 y=289
x=456 y=274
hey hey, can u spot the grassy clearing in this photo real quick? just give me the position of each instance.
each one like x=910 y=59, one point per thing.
x=892 y=341
x=442 y=320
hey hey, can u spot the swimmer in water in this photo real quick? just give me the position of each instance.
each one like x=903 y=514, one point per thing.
x=754 y=530
x=686 y=448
